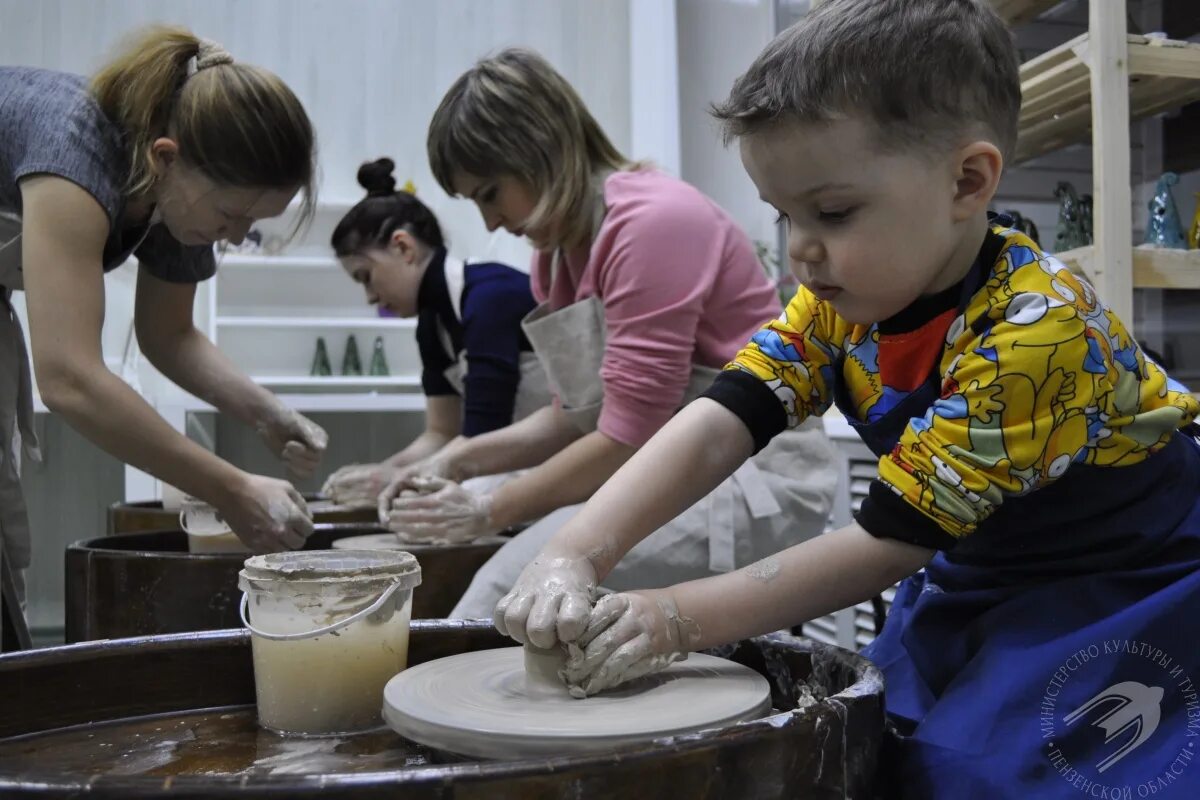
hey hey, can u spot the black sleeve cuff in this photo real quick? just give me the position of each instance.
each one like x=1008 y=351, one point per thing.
x=754 y=404
x=886 y=515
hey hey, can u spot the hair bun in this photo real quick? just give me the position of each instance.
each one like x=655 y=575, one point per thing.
x=376 y=177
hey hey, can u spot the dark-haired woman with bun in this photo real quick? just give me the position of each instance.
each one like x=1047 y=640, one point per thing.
x=478 y=370
x=171 y=147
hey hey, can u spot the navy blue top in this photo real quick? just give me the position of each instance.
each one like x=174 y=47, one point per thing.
x=495 y=298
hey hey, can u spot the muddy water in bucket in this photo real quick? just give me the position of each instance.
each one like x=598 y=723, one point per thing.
x=329 y=629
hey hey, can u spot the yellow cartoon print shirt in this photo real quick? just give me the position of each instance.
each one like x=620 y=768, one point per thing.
x=1036 y=375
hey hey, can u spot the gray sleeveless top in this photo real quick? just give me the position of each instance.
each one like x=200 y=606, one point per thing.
x=50 y=124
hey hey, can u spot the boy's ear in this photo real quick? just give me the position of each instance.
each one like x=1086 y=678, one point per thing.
x=977 y=177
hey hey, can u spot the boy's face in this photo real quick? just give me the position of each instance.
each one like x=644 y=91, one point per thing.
x=868 y=231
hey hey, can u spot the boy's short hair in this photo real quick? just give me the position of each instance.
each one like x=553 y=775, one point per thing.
x=925 y=71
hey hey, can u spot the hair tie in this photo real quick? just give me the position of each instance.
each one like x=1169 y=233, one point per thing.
x=210 y=54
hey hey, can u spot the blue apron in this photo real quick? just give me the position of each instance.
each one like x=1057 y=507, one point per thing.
x=1023 y=662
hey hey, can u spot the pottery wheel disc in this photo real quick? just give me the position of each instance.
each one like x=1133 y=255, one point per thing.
x=478 y=704
x=370 y=541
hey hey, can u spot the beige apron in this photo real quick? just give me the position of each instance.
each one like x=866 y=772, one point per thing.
x=570 y=343
x=17 y=436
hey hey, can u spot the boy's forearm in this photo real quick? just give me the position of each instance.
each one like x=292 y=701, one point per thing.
x=806 y=581
x=698 y=448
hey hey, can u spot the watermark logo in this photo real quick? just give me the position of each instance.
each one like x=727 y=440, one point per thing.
x=1088 y=733
x=1131 y=706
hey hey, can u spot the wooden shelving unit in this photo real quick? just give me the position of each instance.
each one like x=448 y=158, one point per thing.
x=1153 y=268
x=1056 y=108
x=1090 y=88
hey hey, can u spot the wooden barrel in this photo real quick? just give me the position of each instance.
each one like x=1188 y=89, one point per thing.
x=173 y=717
x=148 y=515
x=142 y=584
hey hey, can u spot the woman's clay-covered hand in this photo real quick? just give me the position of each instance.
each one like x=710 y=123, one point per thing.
x=267 y=514
x=296 y=439
x=549 y=602
x=401 y=483
x=628 y=635
x=436 y=510
x=358 y=485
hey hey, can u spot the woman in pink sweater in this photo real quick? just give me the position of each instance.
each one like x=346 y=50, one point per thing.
x=647 y=289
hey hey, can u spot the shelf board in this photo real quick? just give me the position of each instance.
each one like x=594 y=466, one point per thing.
x=315 y=322
x=338 y=382
x=1018 y=12
x=1056 y=107
x=1153 y=267
x=282 y=261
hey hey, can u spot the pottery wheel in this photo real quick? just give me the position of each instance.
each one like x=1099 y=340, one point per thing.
x=479 y=704
x=370 y=541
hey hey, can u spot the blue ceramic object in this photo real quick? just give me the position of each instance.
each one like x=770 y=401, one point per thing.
x=1072 y=230
x=1164 y=229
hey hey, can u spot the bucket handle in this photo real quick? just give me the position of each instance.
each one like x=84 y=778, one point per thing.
x=337 y=626
x=183 y=524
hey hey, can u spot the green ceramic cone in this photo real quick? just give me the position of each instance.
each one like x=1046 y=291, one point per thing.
x=378 y=361
x=320 y=363
x=351 y=365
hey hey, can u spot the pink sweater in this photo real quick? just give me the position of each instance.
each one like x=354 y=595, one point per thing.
x=680 y=284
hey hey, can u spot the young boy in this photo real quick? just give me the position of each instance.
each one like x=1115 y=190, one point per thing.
x=1032 y=457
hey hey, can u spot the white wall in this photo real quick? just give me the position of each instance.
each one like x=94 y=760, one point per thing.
x=718 y=39
x=370 y=72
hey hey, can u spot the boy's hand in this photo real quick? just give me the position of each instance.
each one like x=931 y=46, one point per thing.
x=549 y=602
x=628 y=635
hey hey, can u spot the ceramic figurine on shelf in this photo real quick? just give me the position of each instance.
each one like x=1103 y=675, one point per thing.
x=1194 y=232
x=1071 y=232
x=1085 y=216
x=320 y=364
x=1163 y=228
x=379 y=367
x=1024 y=224
x=351 y=364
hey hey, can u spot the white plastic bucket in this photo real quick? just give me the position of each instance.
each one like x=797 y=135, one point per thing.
x=207 y=531
x=328 y=630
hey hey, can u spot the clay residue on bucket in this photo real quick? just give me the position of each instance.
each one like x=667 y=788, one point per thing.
x=330 y=565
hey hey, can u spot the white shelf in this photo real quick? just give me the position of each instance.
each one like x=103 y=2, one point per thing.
x=316 y=322
x=365 y=382
x=281 y=261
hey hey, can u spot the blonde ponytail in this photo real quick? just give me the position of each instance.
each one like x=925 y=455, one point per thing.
x=136 y=90
x=239 y=124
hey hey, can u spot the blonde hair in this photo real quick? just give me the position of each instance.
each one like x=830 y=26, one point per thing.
x=513 y=114
x=238 y=124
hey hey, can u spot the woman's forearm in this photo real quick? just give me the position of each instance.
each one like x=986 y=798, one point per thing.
x=567 y=478
x=107 y=411
x=806 y=581
x=521 y=445
x=427 y=444
x=190 y=360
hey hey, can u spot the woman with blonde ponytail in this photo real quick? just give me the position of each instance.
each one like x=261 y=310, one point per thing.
x=173 y=146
